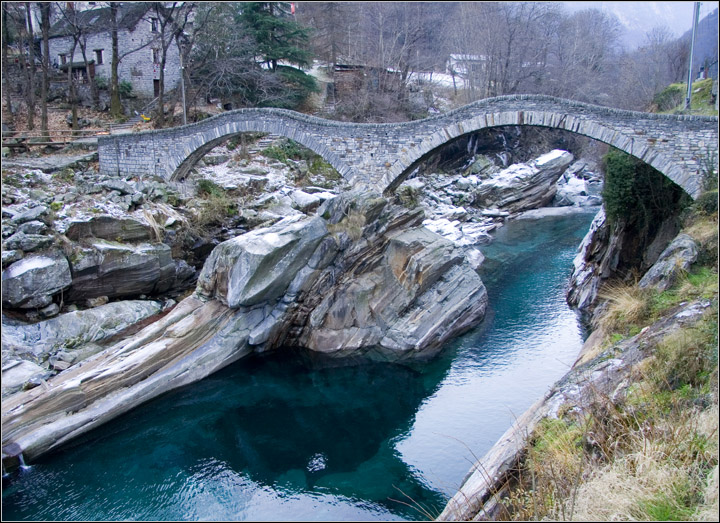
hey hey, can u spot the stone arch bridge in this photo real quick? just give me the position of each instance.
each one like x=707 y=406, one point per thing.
x=380 y=156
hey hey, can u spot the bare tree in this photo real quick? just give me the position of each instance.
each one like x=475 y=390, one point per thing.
x=45 y=8
x=117 y=11
x=17 y=26
x=29 y=61
x=6 y=60
x=76 y=30
x=171 y=19
x=583 y=56
x=116 y=108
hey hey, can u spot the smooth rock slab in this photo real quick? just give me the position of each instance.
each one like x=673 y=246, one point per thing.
x=74 y=329
x=14 y=376
x=110 y=228
x=191 y=342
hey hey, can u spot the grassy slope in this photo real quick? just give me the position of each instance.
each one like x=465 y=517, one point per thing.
x=672 y=99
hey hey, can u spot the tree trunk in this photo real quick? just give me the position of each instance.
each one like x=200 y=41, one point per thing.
x=116 y=108
x=45 y=23
x=6 y=76
x=72 y=90
x=161 y=94
x=30 y=70
x=94 y=92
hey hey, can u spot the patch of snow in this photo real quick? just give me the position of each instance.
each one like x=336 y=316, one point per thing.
x=549 y=157
x=27 y=264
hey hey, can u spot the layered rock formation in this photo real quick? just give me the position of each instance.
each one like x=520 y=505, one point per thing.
x=361 y=275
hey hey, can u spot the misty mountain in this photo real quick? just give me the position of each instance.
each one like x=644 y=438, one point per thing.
x=706 y=44
x=639 y=18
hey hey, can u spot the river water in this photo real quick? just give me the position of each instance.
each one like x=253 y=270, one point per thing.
x=292 y=436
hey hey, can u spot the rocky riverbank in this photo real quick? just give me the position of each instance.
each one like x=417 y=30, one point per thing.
x=284 y=265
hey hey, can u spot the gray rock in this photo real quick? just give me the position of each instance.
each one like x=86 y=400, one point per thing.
x=11 y=256
x=522 y=187
x=258 y=266
x=34 y=280
x=593 y=262
x=51 y=310
x=118 y=185
x=113 y=269
x=665 y=235
x=28 y=242
x=72 y=330
x=303 y=201
x=397 y=291
x=18 y=373
x=8 y=229
x=482 y=166
x=30 y=215
x=673 y=261
x=33 y=227
x=110 y=228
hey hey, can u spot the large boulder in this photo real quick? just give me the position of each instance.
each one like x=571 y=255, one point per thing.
x=259 y=266
x=522 y=187
x=109 y=228
x=673 y=261
x=33 y=281
x=113 y=269
x=594 y=262
x=397 y=290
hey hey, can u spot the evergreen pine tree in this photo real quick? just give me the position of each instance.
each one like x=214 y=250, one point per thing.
x=277 y=35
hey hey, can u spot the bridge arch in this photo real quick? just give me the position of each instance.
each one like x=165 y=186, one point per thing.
x=245 y=125
x=639 y=145
x=447 y=134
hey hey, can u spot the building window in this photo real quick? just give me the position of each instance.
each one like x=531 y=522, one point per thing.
x=156 y=56
x=154 y=25
x=63 y=59
x=98 y=56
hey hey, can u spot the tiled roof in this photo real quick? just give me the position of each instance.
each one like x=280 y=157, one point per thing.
x=98 y=20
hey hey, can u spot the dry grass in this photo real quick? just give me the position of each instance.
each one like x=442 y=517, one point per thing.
x=352 y=224
x=659 y=478
x=625 y=305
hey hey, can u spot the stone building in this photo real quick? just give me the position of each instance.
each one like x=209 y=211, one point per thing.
x=139 y=31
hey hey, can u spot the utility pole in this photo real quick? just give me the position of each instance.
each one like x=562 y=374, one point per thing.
x=182 y=83
x=696 y=14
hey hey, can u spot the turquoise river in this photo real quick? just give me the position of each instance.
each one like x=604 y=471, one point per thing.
x=291 y=436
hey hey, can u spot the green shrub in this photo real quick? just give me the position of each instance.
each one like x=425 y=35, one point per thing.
x=209 y=188
x=670 y=97
x=125 y=89
x=707 y=202
x=288 y=150
x=636 y=193
x=101 y=82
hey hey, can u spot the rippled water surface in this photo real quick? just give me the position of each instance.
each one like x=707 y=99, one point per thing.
x=291 y=436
